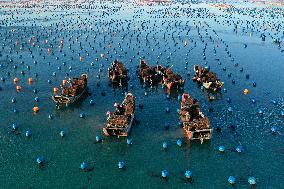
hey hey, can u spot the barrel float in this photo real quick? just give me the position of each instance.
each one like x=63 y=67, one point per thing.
x=19 y=88
x=16 y=80
x=55 y=90
x=30 y=80
x=36 y=109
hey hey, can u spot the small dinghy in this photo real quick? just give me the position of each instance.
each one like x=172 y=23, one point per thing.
x=117 y=73
x=195 y=124
x=120 y=122
x=72 y=93
x=207 y=79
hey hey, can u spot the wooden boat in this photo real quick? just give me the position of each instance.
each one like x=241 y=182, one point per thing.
x=70 y=94
x=120 y=122
x=195 y=124
x=150 y=74
x=207 y=79
x=172 y=80
x=117 y=73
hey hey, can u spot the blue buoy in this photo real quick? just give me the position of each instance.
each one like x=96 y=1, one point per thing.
x=253 y=101
x=167 y=109
x=232 y=180
x=82 y=115
x=62 y=133
x=274 y=129
x=15 y=110
x=13 y=100
x=260 y=111
x=282 y=113
x=28 y=133
x=221 y=148
x=50 y=116
x=251 y=180
x=98 y=139
x=165 y=145
x=40 y=160
x=178 y=110
x=129 y=141
x=121 y=164
x=15 y=127
x=91 y=102
x=84 y=166
x=179 y=142
x=165 y=174
x=274 y=102
x=168 y=97
x=230 y=109
x=37 y=99
x=179 y=97
x=224 y=90
x=239 y=149
x=229 y=100
x=180 y=124
x=188 y=174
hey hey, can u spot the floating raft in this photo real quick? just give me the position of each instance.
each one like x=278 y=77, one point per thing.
x=70 y=94
x=120 y=122
x=150 y=74
x=195 y=124
x=117 y=73
x=207 y=79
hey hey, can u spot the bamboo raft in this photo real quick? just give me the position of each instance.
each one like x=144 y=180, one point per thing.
x=120 y=122
x=117 y=73
x=76 y=89
x=150 y=74
x=195 y=125
x=207 y=79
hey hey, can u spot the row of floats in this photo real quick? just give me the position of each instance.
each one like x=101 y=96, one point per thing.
x=195 y=124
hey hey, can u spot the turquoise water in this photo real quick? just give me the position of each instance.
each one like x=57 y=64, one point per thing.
x=122 y=33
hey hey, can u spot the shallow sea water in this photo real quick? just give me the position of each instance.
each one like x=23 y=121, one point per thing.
x=263 y=152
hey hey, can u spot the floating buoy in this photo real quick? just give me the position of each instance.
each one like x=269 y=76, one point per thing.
x=98 y=139
x=129 y=141
x=239 y=149
x=246 y=91
x=64 y=81
x=232 y=180
x=15 y=127
x=36 y=99
x=251 y=180
x=91 y=102
x=82 y=115
x=30 y=80
x=84 y=166
x=165 y=145
x=102 y=55
x=81 y=58
x=28 y=133
x=36 y=109
x=16 y=80
x=221 y=148
x=40 y=160
x=164 y=174
x=55 y=90
x=274 y=129
x=62 y=133
x=50 y=116
x=188 y=174
x=167 y=109
x=179 y=142
x=19 y=88
x=121 y=164
x=253 y=101
x=13 y=100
